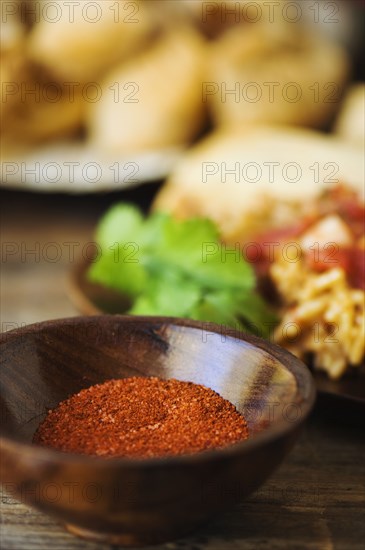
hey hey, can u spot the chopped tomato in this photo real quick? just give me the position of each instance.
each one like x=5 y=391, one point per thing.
x=351 y=260
x=356 y=273
x=345 y=202
x=340 y=201
x=266 y=245
x=323 y=259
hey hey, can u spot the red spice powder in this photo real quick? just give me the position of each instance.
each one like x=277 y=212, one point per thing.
x=142 y=417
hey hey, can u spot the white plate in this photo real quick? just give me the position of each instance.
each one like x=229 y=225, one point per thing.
x=74 y=168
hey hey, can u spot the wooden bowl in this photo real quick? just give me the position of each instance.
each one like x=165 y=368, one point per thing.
x=142 y=501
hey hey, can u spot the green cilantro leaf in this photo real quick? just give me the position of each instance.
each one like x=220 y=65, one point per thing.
x=115 y=269
x=122 y=223
x=177 y=268
x=170 y=295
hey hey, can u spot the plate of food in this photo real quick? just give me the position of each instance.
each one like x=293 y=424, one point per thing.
x=110 y=95
x=283 y=261
x=83 y=95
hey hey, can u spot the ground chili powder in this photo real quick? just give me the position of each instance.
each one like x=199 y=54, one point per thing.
x=142 y=417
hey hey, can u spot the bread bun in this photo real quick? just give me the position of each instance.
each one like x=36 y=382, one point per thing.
x=350 y=124
x=13 y=30
x=275 y=73
x=35 y=108
x=89 y=37
x=233 y=176
x=154 y=101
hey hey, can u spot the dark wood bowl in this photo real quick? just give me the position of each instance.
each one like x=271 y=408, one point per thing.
x=141 y=501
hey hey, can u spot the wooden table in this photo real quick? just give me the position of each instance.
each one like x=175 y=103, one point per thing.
x=316 y=498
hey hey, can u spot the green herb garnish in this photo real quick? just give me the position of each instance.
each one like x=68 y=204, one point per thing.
x=177 y=268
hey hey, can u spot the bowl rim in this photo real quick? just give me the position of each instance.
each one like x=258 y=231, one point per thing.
x=279 y=429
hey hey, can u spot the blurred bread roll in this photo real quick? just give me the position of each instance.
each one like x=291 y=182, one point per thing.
x=350 y=124
x=153 y=101
x=12 y=28
x=89 y=37
x=36 y=108
x=12 y=42
x=275 y=73
x=234 y=176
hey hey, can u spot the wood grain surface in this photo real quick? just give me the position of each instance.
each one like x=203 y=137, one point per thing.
x=315 y=500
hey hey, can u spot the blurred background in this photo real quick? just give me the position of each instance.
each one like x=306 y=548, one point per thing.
x=100 y=100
